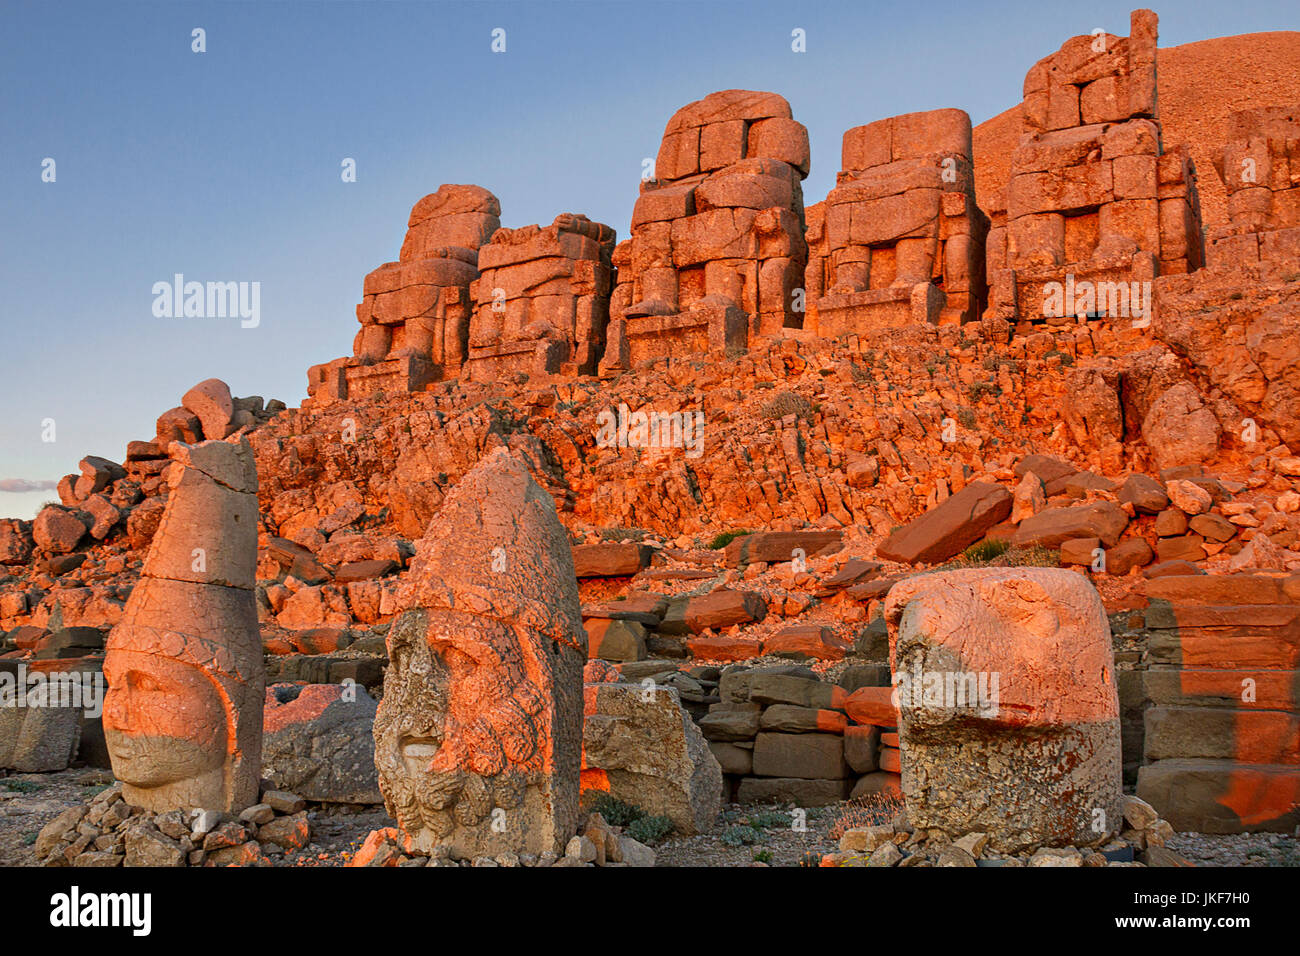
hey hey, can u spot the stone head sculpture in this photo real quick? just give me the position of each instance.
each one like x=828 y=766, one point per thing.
x=478 y=737
x=183 y=714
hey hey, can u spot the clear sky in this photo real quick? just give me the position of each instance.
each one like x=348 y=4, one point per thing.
x=225 y=165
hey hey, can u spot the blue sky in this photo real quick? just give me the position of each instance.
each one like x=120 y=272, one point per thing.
x=225 y=165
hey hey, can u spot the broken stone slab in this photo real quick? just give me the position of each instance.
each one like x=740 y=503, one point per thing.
x=723 y=608
x=775 y=547
x=318 y=742
x=949 y=528
x=641 y=747
x=1053 y=526
x=614 y=560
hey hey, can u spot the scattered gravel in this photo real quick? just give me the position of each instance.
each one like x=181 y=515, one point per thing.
x=777 y=836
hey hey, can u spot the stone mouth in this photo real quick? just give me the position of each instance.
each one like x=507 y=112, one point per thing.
x=418 y=752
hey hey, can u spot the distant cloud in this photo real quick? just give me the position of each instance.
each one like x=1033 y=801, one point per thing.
x=22 y=484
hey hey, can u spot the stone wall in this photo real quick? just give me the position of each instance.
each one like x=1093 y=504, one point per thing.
x=899 y=240
x=1260 y=169
x=1221 y=696
x=541 y=303
x=717 y=245
x=781 y=734
x=1094 y=195
x=415 y=312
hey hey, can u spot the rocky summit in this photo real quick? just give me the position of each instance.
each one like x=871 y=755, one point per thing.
x=951 y=518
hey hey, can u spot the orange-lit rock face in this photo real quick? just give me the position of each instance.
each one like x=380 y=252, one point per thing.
x=183 y=713
x=478 y=737
x=1008 y=710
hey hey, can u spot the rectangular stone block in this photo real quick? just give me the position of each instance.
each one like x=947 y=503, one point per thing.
x=1222 y=796
x=802 y=793
x=805 y=756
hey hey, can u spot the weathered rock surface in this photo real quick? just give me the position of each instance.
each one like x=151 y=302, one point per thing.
x=641 y=746
x=318 y=741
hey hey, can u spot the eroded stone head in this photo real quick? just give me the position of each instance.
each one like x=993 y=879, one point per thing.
x=478 y=736
x=183 y=716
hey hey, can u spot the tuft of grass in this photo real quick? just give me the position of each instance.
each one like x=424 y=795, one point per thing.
x=870 y=809
x=768 y=820
x=788 y=403
x=981 y=552
x=762 y=856
x=649 y=830
x=22 y=786
x=726 y=537
x=741 y=835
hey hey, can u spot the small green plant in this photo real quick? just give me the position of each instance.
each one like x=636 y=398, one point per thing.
x=768 y=819
x=726 y=537
x=984 y=551
x=763 y=856
x=741 y=835
x=649 y=830
x=22 y=786
x=617 y=813
x=30 y=838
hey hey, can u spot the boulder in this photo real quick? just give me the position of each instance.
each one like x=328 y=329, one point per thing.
x=318 y=742
x=57 y=530
x=211 y=403
x=1145 y=494
x=640 y=746
x=949 y=528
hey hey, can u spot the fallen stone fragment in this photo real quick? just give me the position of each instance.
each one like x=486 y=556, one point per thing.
x=951 y=527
